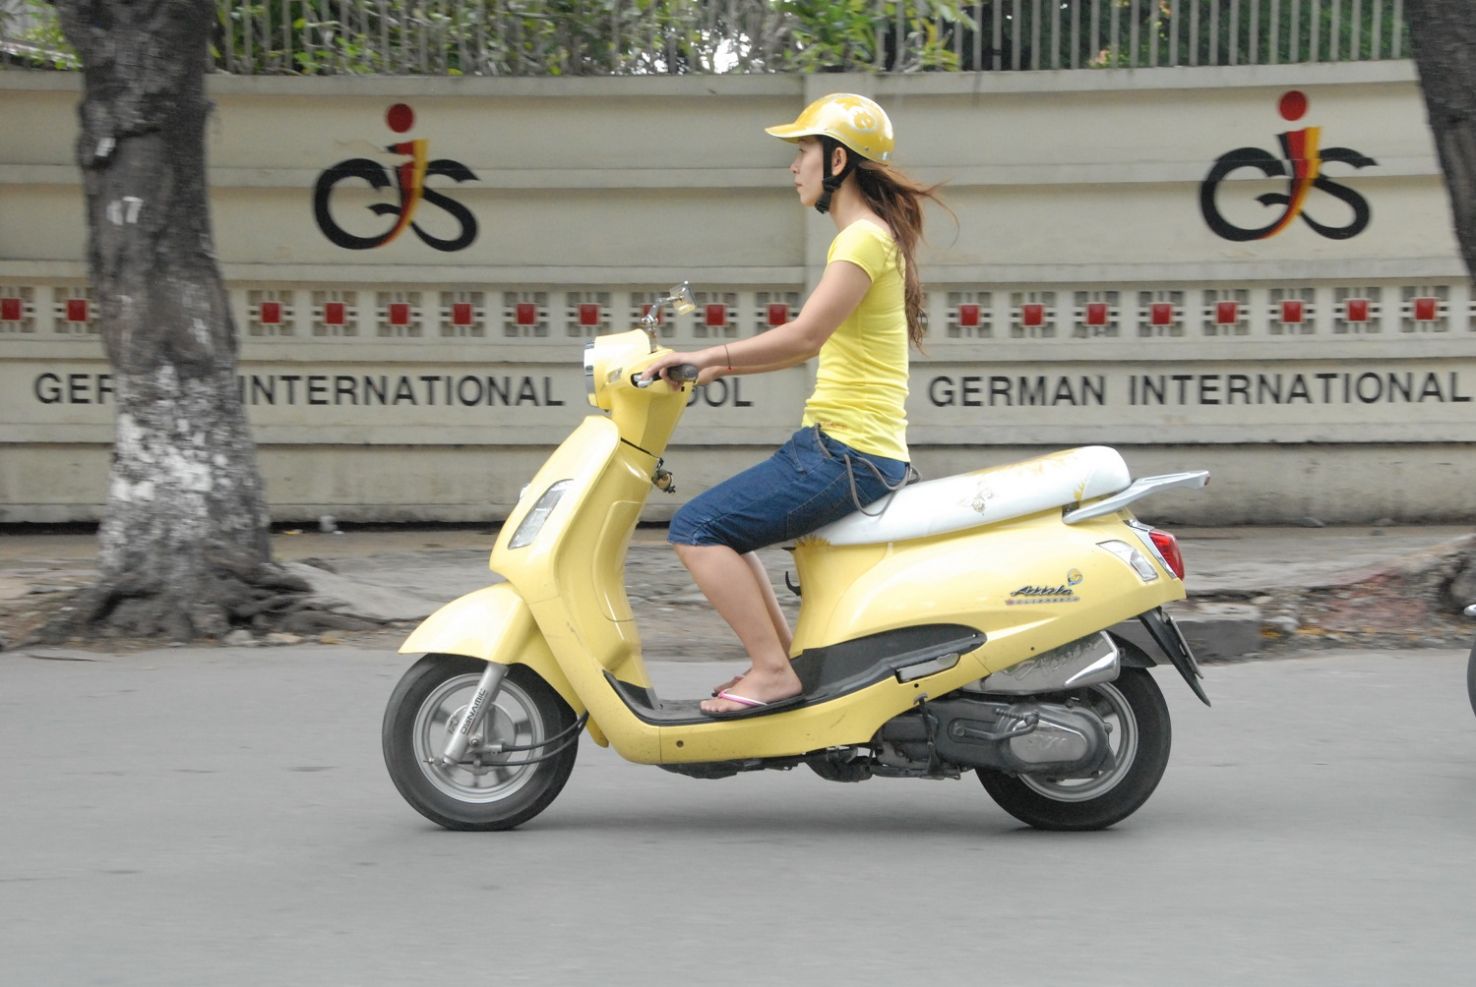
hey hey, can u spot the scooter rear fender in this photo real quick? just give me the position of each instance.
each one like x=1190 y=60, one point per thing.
x=494 y=624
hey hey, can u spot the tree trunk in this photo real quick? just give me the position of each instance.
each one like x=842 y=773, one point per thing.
x=1443 y=33
x=185 y=532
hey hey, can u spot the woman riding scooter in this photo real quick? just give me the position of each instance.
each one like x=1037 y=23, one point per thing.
x=852 y=448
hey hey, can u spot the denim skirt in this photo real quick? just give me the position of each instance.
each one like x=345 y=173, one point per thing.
x=805 y=485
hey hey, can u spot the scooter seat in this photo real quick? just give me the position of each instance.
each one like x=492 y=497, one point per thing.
x=987 y=496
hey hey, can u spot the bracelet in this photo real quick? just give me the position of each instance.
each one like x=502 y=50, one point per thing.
x=728 y=355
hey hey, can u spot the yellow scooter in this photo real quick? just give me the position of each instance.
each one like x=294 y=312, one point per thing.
x=1000 y=621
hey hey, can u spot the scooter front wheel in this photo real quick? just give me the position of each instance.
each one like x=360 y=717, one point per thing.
x=485 y=788
x=1134 y=709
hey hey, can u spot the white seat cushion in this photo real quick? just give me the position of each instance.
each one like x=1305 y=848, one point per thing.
x=985 y=497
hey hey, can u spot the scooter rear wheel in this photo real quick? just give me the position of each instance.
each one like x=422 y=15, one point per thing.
x=1134 y=708
x=483 y=790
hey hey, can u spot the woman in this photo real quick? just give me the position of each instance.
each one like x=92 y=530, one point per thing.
x=852 y=449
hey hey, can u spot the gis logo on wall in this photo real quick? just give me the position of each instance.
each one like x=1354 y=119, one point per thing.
x=1301 y=165
x=408 y=179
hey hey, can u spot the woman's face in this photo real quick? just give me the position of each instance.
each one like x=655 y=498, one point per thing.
x=807 y=171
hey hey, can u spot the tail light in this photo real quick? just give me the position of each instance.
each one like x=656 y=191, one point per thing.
x=1168 y=551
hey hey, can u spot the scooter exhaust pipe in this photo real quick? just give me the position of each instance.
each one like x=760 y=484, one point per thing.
x=487 y=687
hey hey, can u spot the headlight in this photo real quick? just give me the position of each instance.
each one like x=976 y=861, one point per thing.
x=533 y=521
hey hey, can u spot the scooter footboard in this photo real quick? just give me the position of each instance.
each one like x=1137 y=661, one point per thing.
x=493 y=624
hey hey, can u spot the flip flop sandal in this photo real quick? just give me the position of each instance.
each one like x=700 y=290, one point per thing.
x=753 y=707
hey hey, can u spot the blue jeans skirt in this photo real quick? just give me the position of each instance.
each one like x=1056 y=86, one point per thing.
x=806 y=485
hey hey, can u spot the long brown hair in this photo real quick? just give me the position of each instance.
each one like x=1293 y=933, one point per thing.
x=898 y=199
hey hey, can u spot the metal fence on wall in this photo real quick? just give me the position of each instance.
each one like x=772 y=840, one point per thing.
x=651 y=37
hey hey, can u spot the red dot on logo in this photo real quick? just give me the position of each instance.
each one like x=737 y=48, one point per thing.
x=1294 y=105
x=400 y=117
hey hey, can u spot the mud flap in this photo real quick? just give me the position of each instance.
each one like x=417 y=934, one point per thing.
x=1170 y=641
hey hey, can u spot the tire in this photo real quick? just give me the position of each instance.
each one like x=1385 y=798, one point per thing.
x=1471 y=678
x=476 y=794
x=1141 y=735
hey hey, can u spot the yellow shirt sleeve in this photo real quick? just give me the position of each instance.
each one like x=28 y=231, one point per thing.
x=864 y=245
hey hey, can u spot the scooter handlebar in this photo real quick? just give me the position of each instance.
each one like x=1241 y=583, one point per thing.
x=682 y=373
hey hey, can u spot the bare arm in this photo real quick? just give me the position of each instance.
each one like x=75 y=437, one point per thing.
x=841 y=289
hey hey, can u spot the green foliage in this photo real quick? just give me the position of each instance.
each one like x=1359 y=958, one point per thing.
x=846 y=35
x=648 y=37
x=32 y=37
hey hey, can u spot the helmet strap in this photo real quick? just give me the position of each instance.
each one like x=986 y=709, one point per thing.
x=831 y=182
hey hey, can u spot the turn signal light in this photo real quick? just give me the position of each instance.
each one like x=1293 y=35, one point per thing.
x=1168 y=550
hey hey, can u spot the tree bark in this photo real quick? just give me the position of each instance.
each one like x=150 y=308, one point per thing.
x=1443 y=34
x=184 y=541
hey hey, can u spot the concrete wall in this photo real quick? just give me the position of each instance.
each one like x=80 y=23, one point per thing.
x=1081 y=296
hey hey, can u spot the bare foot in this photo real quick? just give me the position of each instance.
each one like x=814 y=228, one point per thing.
x=761 y=686
x=731 y=682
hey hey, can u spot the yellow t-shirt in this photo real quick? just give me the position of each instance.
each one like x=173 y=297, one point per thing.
x=861 y=387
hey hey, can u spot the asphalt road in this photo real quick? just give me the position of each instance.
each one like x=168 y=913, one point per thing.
x=222 y=817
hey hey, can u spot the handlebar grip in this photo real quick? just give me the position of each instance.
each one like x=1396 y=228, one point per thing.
x=682 y=373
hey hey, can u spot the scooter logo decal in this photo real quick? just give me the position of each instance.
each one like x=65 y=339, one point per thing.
x=1032 y=593
x=1303 y=170
x=409 y=180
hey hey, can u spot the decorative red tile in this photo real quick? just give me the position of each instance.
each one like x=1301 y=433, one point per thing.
x=333 y=313
x=270 y=313
x=10 y=309
x=716 y=315
x=399 y=314
x=778 y=314
x=1032 y=314
x=589 y=315
x=1227 y=313
x=76 y=310
x=968 y=315
x=1096 y=314
x=461 y=314
x=1161 y=314
x=1292 y=312
x=527 y=314
x=1426 y=309
x=1357 y=310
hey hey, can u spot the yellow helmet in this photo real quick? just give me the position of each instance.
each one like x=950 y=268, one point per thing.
x=855 y=121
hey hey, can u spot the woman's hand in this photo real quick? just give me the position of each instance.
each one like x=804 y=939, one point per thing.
x=706 y=371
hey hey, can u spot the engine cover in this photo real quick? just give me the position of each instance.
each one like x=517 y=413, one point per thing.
x=1019 y=737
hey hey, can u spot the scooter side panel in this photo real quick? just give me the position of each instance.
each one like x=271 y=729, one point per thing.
x=852 y=719
x=1030 y=585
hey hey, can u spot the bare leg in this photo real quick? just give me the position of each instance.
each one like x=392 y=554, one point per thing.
x=776 y=614
x=729 y=583
x=771 y=601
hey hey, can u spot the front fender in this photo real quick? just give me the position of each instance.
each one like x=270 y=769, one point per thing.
x=494 y=624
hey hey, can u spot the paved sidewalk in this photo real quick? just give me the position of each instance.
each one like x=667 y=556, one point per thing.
x=1252 y=591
